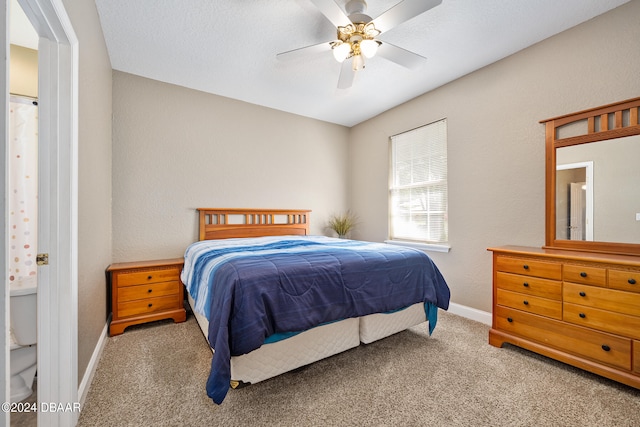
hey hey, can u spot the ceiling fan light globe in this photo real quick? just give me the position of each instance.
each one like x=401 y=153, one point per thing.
x=369 y=48
x=358 y=63
x=341 y=51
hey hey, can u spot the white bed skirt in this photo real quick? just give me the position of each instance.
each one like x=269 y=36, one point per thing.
x=380 y=325
x=315 y=344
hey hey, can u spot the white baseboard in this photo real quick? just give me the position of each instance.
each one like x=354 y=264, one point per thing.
x=85 y=384
x=470 y=313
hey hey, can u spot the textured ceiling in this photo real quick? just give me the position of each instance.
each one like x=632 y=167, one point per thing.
x=229 y=47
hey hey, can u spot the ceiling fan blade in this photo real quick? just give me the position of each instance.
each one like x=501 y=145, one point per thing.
x=333 y=12
x=402 y=12
x=304 y=51
x=346 y=74
x=400 y=56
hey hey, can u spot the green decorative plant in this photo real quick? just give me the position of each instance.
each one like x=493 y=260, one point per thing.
x=342 y=224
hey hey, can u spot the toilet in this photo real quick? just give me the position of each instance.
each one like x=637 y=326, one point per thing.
x=23 y=355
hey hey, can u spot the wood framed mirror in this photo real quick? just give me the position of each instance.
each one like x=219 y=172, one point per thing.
x=593 y=179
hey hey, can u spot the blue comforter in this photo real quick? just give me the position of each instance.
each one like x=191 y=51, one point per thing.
x=251 y=289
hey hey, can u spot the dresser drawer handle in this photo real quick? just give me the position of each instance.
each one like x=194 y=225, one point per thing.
x=526 y=267
x=525 y=284
x=509 y=319
x=583 y=274
x=150 y=290
x=150 y=305
x=606 y=347
x=149 y=277
x=582 y=315
x=583 y=294
x=525 y=302
x=632 y=281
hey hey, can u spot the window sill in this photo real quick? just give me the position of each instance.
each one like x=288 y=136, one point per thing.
x=422 y=246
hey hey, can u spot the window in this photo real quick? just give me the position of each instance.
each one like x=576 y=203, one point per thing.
x=418 y=185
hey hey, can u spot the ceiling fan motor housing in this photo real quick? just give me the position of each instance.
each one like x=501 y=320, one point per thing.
x=356 y=11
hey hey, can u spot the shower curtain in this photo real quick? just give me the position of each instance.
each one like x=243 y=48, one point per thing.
x=23 y=191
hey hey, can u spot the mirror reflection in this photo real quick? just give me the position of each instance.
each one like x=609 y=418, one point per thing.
x=598 y=191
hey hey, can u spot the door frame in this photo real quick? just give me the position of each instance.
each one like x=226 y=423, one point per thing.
x=58 y=208
x=4 y=232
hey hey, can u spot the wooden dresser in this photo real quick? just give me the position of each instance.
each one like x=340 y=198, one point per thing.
x=144 y=292
x=577 y=307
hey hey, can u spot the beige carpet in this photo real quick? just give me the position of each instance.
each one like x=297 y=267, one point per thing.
x=155 y=375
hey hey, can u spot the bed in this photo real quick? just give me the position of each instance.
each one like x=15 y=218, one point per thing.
x=271 y=298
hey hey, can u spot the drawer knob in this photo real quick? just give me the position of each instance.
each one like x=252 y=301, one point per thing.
x=150 y=305
x=583 y=274
x=632 y=281
x=582 y=294
x=525 y=302
x=149 y=277
x=509 y=319
x=582 y=315
x=150 y=290
x=526 y=267
x=525 y=284
x=606 y=347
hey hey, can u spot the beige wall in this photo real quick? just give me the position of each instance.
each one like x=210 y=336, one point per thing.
x=177 y=149
x=495 y=143
x=23 y=71
x=94 y=176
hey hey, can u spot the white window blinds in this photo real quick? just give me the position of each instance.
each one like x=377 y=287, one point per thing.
x=418 y=184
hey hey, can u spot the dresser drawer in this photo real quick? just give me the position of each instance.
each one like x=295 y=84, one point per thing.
x=588 y=275
x=147 y=276
x=544 y=288
x=636 y=357
x=599 y=346
x=528 y=267
x=152 y=290
x=602 y=298
x=624 y=280
x=532 y=304
x=148 y=306
x=603 y=320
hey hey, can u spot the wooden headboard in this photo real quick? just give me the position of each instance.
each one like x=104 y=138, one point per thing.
x=228 y=223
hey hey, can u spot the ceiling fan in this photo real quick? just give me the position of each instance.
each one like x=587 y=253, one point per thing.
x=358 y=32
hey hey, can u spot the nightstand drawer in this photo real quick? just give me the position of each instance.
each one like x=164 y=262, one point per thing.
x=148 y=306
x=131 y=293
x=529 y=267
x=624 y=280
x=147 y=276
x=600 y=346
x=603 y=320
x=544 y=288
x=532 y=304
x=587 y=275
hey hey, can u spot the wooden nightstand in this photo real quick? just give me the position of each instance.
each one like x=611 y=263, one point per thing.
x=144 y=292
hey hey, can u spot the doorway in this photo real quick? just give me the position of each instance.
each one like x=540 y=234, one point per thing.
x=22 y=177
x=58 y=223
x=574 y=201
